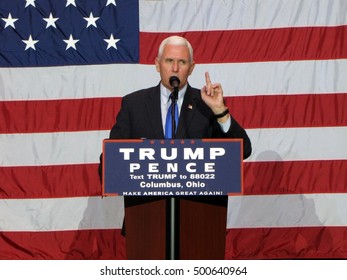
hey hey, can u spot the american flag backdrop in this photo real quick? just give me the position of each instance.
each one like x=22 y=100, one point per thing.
x=65 y=65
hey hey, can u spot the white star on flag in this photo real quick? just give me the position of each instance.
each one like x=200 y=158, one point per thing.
x=70 y=2
x=50 y=21
x=9 y=21
x=71 y=43
x=30 y=2
x=91 y=20
x=30 y=43
x=111 y=42
x=113 y=2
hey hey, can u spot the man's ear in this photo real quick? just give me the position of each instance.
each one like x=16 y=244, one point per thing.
x=157 y=66
x=192 y=66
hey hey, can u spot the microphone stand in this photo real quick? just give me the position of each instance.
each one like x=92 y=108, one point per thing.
x=173 y=208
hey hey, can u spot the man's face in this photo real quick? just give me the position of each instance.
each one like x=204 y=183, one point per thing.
x=174 y=61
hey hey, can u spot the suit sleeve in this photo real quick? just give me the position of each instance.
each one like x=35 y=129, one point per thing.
x=121 y=129
x=236 y=131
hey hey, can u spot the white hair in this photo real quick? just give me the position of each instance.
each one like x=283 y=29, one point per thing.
x=178 y=41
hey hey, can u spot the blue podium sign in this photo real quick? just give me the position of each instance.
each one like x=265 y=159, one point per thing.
x=166 y=167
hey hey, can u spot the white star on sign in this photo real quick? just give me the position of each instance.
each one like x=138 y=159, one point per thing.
x=30 y=43
x=70 y=2
x=30 y=2
x=50 y=21
x=91 y=20
x=9 y=21
x=71 y=43
x=111 y=42
x=113 y=2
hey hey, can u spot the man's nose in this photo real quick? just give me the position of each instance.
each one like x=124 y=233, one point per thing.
x=175 y=66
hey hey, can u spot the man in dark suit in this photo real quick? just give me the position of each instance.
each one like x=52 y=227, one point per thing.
x=202 y=114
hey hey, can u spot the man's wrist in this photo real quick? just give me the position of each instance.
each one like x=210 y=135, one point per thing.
x=223 y=114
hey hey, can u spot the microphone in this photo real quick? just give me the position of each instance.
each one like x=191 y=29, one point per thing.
x=174 y=82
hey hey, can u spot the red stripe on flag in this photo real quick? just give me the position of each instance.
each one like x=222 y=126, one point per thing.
x=304 y=110
x=53 y=181
x=250 y=45
x=304 y=242
x=58 y=115
x=59 y=245
x=286 y=177
x=287 y=243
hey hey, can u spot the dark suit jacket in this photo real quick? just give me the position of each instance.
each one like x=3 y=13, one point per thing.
x=140 y=117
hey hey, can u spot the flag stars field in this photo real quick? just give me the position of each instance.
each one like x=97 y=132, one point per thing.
x=56 y=19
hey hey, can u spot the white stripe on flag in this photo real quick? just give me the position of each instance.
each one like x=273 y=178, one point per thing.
x=299 y=210
x=247 y=211
x=32 y=149
x=156 y=16
x=237 y=79
x=61 y=213
x=284 y=144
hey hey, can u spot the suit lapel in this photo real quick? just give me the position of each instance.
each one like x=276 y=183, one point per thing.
x=187 y=112
x=153 y=108
x=154 y=112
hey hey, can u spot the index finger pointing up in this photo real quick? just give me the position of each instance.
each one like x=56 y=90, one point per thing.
x=208 y=80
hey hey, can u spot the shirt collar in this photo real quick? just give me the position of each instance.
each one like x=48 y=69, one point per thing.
x=165 y=94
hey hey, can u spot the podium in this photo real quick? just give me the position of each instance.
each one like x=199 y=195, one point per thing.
x=201 y=229
x=201 y=219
